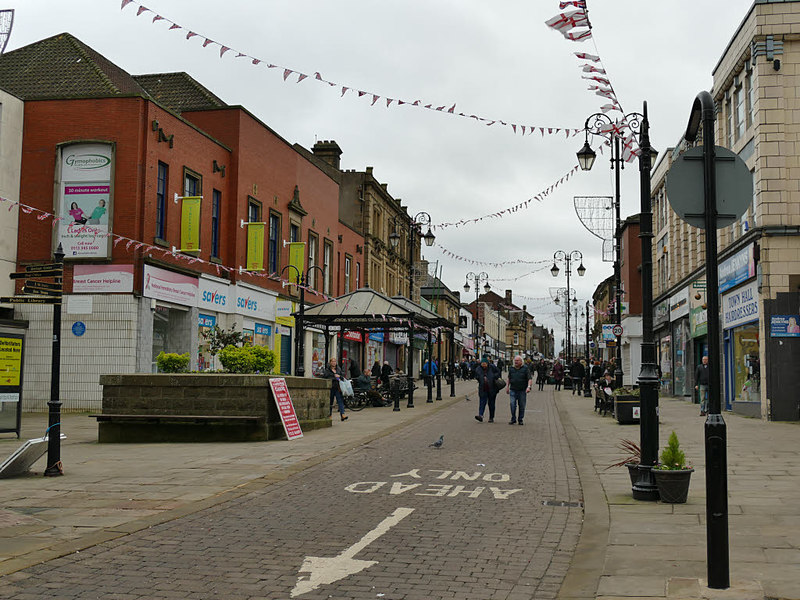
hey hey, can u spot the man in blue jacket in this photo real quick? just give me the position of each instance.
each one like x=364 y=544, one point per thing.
x=487 y=375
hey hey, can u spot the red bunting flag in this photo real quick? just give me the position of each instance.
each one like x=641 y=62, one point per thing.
x=141 y=10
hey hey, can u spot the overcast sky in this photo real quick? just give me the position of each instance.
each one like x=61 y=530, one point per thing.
x=493 y=59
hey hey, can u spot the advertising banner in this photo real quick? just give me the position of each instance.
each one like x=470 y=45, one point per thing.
x=679 y=305
x=102 y=279
x=283 y=313
x=736 y=269
x=698 y=314
x=206 y=320
x=608 y=333
x=84 y=202
x=190 y=224
x=255 y=246
x=297 y=259
x=170 y=286
x=661 y=313
x=11 y=352
x=784 y=326
x=740 y=306
x=280 y=392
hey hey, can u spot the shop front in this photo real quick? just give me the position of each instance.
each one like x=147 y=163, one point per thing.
x=284 y=325
x=214 y=305
x=351 y=344
x=374 y=349
x=698 y=330
x=254 y=311
x=679 y=325
x=663 y=341
x=173 y=300
x=396 y=350
x=740 y=324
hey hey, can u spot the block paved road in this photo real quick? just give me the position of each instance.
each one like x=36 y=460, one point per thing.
x=477 y=526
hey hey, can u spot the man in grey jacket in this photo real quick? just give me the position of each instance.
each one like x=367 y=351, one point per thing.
x=519 y=384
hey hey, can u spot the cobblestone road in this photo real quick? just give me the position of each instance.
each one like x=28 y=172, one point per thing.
x=477 y=525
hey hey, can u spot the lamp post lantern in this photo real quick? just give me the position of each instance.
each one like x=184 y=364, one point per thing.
x=477 y=279
x=568 y=257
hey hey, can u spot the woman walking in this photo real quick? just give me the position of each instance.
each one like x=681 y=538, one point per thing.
x=558 y=374
x=541 y=374
x=334 y=373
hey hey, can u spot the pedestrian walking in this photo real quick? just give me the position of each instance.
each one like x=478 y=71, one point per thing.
x=334 y=373
x=519 y=384
x=558 y=374
x=541 y=374
x=386 y=370
x=701 y=385
x=487 y=375
x=577 y=371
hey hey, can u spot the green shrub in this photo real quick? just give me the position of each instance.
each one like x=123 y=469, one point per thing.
x=247 y=359
x=672 y=457
x=172 y=362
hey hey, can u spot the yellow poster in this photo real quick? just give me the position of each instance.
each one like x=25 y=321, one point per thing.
x=10 y=360
x=255 y=246
x=297 y=259
x=284 y=311
x=190 y=224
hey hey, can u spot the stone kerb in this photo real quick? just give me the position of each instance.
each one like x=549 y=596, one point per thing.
x=208 y=395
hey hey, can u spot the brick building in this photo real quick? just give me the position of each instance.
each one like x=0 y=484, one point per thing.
x=120 y=149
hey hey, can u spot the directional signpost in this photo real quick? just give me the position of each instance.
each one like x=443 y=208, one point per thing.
x=47 y=292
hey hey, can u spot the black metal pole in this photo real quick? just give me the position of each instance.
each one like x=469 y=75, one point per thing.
x=587 y=390
x=645 y=487
x=411 y=262
x=439 y=369
x=410 y=376
x=617 y=160
x=569 y=337
x=453 y=361
x=429 y=374
x=54 y=467
x=300 y=334
x=715 y=428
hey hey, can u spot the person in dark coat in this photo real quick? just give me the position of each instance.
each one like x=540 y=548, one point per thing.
x=386 y=370
x=355 y=369
x=541 y=374
x=334 y=373
x=376 y=370
x=558 y=374
x=486 y=374
x=577 y=372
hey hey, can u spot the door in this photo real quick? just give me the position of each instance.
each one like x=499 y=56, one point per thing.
x=286 y=354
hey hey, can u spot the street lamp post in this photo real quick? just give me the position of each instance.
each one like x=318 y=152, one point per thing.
x=568 y=257
x=299 y=336
x=415 y=225
x=604 y=126
x=587 y=391
x=477 y=279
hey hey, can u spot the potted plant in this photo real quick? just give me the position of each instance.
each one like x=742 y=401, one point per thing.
x=632 y=456
x=671 y=474
x=626 y=405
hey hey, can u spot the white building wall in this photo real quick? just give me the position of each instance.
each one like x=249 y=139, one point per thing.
x=11 y=114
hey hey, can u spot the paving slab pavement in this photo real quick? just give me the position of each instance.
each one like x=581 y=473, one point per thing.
x=111 y=490
x=631 y=549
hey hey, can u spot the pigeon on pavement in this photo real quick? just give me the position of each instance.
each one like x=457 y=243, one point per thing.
x=438 y=443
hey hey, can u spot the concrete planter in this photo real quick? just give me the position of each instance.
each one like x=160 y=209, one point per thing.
x=207 y=395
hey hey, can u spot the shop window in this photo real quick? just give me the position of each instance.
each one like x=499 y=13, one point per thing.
x=248 y=336
x=746 y=364
x=311 y=277
x=262 y=334
x=216 y=202
x=192 y=183
x=327 y=256
x=161 y=201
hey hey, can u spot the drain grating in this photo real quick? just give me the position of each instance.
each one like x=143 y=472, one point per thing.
x=562 y=503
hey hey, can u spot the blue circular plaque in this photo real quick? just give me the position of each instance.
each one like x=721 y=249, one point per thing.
x=79 y=328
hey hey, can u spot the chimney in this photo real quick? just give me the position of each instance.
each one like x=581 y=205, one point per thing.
x=508 y=297
x=329 y=151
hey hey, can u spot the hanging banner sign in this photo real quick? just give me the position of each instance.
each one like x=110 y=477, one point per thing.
x=608 y=333
x=88 y=279
x=280 y=392
x=740 y=306
x=255 y=246
x=170 y=286
x=297 y=259
x=190 y=223
x=738 y=268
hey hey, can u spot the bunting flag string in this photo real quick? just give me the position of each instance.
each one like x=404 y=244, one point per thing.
x=444 y=108
x=512 y=209
x=495 y=264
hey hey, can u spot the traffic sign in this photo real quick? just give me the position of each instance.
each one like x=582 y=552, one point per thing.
x=29 y=289
x=50 y=273
x=44 y=285
x=46 y=267
x=617 y=330
x=30 y=300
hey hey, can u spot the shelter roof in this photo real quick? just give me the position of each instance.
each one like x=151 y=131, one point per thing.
x=365 y=309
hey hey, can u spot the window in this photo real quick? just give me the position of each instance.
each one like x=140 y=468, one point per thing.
x=751 y=98
x=273 y=244
x=253 y=211
x=741 y=119
x=192 y=184
x=358 y=276
x=729 y=109
x=327 y=255
x=347 y=264
x=311 y=277
x=216 y=201
x=161 y=201
x=294 y=232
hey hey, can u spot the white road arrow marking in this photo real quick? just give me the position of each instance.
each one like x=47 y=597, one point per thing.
x=323 y=571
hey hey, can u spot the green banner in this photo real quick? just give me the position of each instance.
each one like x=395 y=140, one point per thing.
x=297 y=258
x=255 y=246
x=190 y=224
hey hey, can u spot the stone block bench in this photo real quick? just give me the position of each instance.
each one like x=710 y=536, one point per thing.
x=200 y=407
